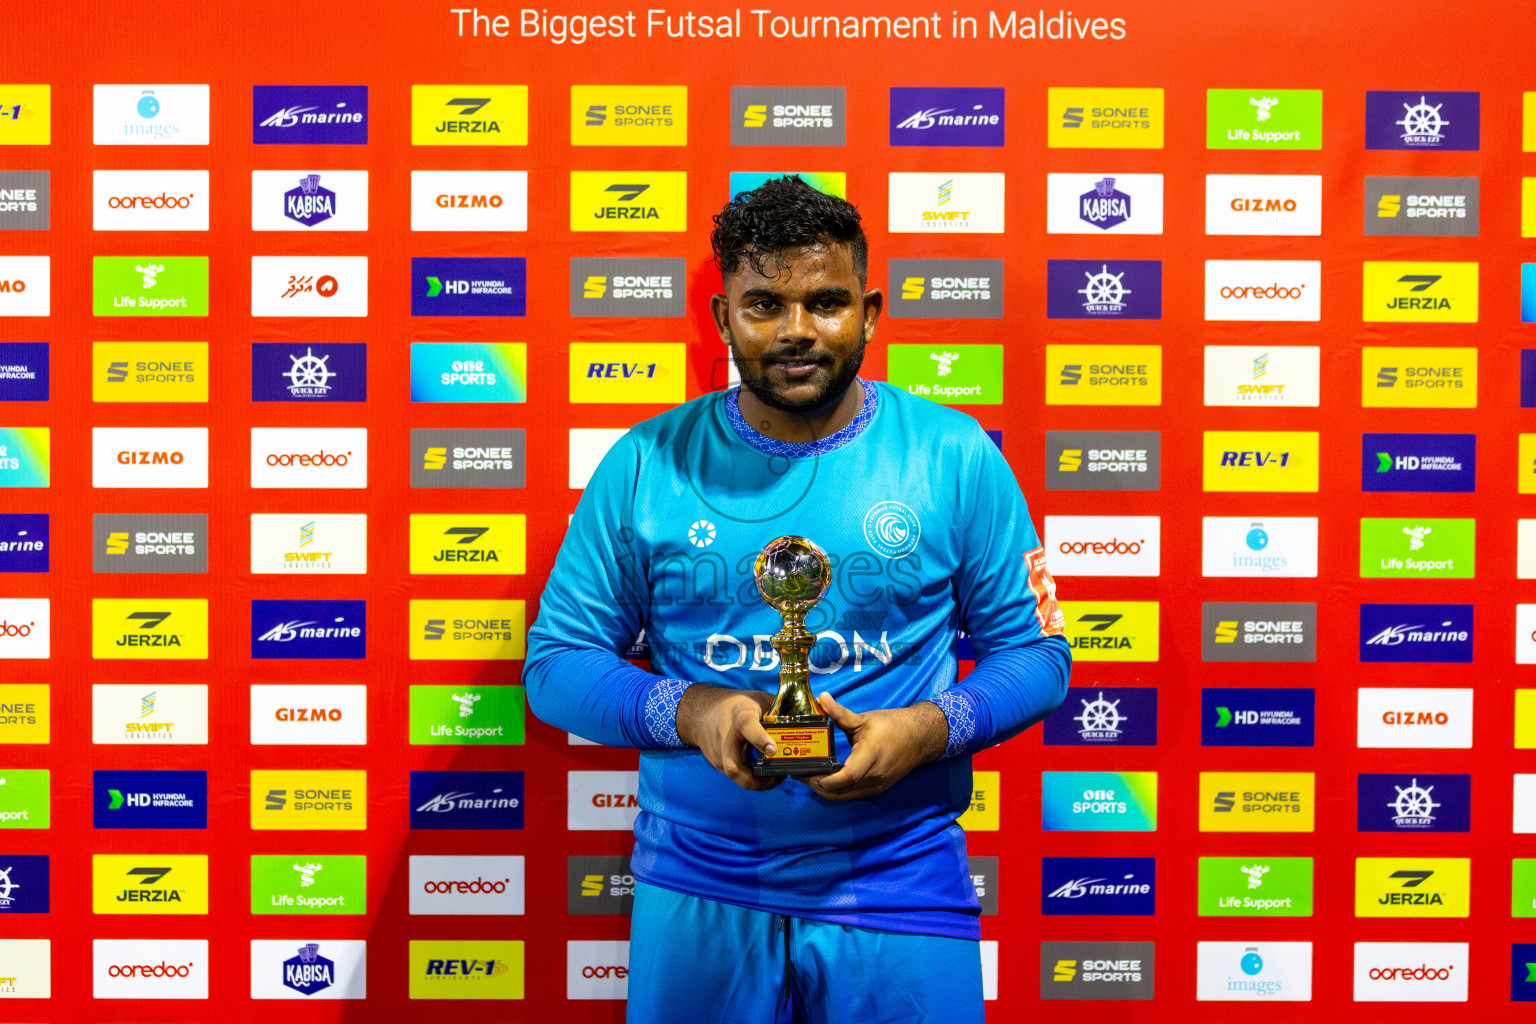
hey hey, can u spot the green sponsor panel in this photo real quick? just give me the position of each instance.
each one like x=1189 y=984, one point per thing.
x=326 y=883
x=1255 y=886
x=1524 y=889
x=1264 y=119
x=24 y=799
x=1418 y=548
x=467 y=715
x=951 y=374
x=149 y=286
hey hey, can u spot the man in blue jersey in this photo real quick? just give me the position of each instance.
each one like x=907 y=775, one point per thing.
x=835 y=898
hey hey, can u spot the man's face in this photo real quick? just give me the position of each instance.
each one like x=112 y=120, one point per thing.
x=798 y=329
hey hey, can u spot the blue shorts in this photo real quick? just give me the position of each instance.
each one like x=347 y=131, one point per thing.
x=698 y=961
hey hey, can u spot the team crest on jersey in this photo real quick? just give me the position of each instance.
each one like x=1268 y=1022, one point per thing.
x=892 y=529
x=1052 y=622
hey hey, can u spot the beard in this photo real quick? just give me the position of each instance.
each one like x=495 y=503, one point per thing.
x=828 y=394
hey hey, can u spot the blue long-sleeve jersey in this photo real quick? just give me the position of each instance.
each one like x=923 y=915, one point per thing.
x=927 y=531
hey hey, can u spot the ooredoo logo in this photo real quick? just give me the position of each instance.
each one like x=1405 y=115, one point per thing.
x=1411 y=972
x=150 y=969
x=150 y=200
x=24 y=627
x=300 y=457
x=1263 y=289
x=597 y=970
x=467 y=885
x=1103 y=545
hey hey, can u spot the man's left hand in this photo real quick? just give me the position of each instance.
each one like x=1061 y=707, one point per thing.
x=887 y=744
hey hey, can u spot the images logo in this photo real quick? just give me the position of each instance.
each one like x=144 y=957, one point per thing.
x=959 y=289
x=149 y=799
x=25 y=116
x=1095 y=289
x=466 y=800
x=1263 y=204
x=629 y=115
x=150 y=115
x=1253 y=717
x=1257 y=801
x=460 y=286
x=171 y=628
x=945 y=202
x=1255 y=887
x=1263 y=290
x=1239 y=546
x=1110 y=886
x=492 y=544
x=1421 y=717
x=149 y=883
x=1258 y=972
x=23 y=371
x=334 y=115
x=23 y=886
x=629 y=200
x=149 y=200
x=1422 y=120
x=1263 y=119
x=1414 y=803
x=1420 y=293
x=788 y=116
x=1418 y=548
x=1102 y=460
x=314 y=372
x=1108 y=118
x=1100 y=716
x=25 y=799
x=1097 y=970
x=1098 y=801
x=466 y=969
x=309 y=799
x=1258 y=632
x=309 y=884
x=458 y=457
x=1421 y=207
x=25 y=285
x=309 y=629
x=23 y=542
x=948 y=374
x=466 y=885
x=947 y=117
x=469 y=115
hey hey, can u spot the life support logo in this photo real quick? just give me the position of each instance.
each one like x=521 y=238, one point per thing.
x=892 y=529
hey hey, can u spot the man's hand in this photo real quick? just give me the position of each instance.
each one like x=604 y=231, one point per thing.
x=887 y=744
x=721 y=722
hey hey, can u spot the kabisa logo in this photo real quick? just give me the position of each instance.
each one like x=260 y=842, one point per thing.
x=1098 y=886
x=1090 y=118
x=1438 y=463
x=1422 y=206
x=610 y=286
x=599 y=885
x=1438 y=633
x=892 y=529
x=467 y=885
x=23 y=884
x=492 y=544
x=308 y=972
x=1414 y=803
x=469 y=286
x=629 y=200
x=1099 y=716
x=25 y=115
x=310 y=203
x=1423 y=120
x=466 y=800
x=460 y=457
x=1097 y=970
x=157 y=799
x=1112 y=630
x=1444 y=293
x=334 y=115
x=947 y=117
x=1098 y=801
x=1103 y=460
x=309 y=629
x=149 y=628
x=324 y=372
x=23 y=542
x=1094 y=289
x=1255 y=887
x=150 y=115
x=947 y=202
x=1254 y=972
x=1254 y=717
x=629 y=115
x=1258 y=632
x=1106 y=203
x=1264 y=119
x=24 y=199
x=149 y=883
x=23 y=371
x=1106 y=206
x=1418 y=717
x=1422 y=887
x=963 y=289
x=469 y=115
x=788 y=115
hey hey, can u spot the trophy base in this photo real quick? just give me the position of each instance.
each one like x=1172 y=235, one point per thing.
x=804 y=749
x=795 y=766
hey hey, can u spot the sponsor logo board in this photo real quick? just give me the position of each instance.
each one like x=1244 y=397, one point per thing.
x=596 y=969
x=1263 y=204
x=1112 y=630
x=298 y=969
x=24 y=542
x=1263 y=290
x=315 y=372
x=1422 y=207
x=149 y=968
x=1100 y=886
x=466 y=800
x=1270 y=460
x=23 y=371
x=1257 y=801
x=629 y=200
x=948 y=374
x=629 y=115
x=149 y=200
x=1420 y=717
x=305 y=200
x=150 y=286
x=1258 y=631
x=150 y=115
x=308 y=799
x=789 y=115
x=1104 y=716
x=25 y=802
x=1418 y=548
x=1255 y=887
x=24 y=627
x=24 y=889
x=24 y=456
x=465 y=969
x=468 y=544
x=1098 y=801
x=1254 y=972
x=1422 y=120
x=310 y=883
x=309 y=714
x=1405 y=633
x=309 y=544
x=25 y=115
x=149 y=883
x=1411 y=972
x=325 y=286
x=326 y=115
x=947 y=117
x=984 y=813
x=945 y=203
x=1263 y=119
x=460 y=457
x=469 y=286
x=1444 y=293
x=469 y=200
x=297 y=457
x=984 y=879
x=156 y=799
x=149 y=714
x=1104 y=545
x=606 y=885
x=25 y=285
x=1104 y=290
x=159 y=457
x=1257 y=717
x=1103 y=460
x=468 y=371
x=1108 y=203
x=25 y=198
x=602 y=800
x=1414 y=802
x=469 y=115
x=612 y=286
x=26 y=713
x=1262 y=375
x=149 y=371
x=628 y=372
x=1418 y=378
x=952 y=289
x=1244 y=546
x=474 y=886
x=1103 y=375
x=1104 y=118
x=157 y=627
x=309 y=629
x=1419 y=463
x=1097 y=970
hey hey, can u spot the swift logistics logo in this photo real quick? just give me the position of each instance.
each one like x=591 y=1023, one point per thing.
x=1423 y=120
x=1417 y=887
x=309 y=799
x=465 y=969
x=1419 y=717
x=1421 y=207
x=1258 y=631
x=1256 y=461
x=24 y=887
x=1263 y=204
x=309 y=714
x=1240 y=546
x=1444 y=293
x=1098 y=886
x=465 y=630
x=789 y=115
x=644 y=287
x=149 y=371
x=629 y=115
x=316 y=372
x=948 y=374
x=1418 y=548
x=461 y=457
x=149 y=628
x=1094 y=716
x=1255 y=887
x=309 y=629
x=23 y=371
x=947 y=202
x=947 y=117
x=955 y=289
x=150 y=115
x=1257 y=801
x=1259 y=375
x=1103 y=375
x=172 y=713
x=1104 y=118
x=469 y=286
x=1419 y=463
x=25 y=800
x=26 y=285
x=26 y=713
x=1112 y=630
x=1103 y=460
x=1257 y=717
x=1109 y=203
x=628 y=372
x=1263 y=290
x=154 y=799
x=316 y=115
x=25 y=115
x=1098 y=970
x=469 y=200
x=24 y=542
x=305 y=544
x=469 y=115
x=328 y=286
x=149 y=286
x=468 y=371
x=466 y=800
x=477 y=886
x=149 y=883
x=1104 y=289
x=468 y=544
x=1416 y=633
x=1418 y=377
x=301 y=200
x=475 y=715
x=296 y=969
x=1098 y=801
x=629 y=200
x=1414 y=803
x=1254 y=972
x=1263 y=119
x=600 y=885
x=25 y=198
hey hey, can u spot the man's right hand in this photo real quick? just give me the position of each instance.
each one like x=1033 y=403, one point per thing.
x=722 y=723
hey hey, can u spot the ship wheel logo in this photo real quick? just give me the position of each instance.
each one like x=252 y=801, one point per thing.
x=309 y=374
x=1105 y=292
x=1421 y=123
x=1100 y=718
x=1414 y=805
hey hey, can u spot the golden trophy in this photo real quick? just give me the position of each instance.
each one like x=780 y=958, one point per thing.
x=792 y=575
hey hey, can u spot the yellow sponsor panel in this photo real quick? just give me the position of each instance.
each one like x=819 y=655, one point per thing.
x=468 y=630
x=1257 y=801
x=1103 y=375
x=629 y=115
x=1435 y=293
x=984 y=814
x=1260 y=460
x=1525 y=719
x=629 y=372
x=149 y=371
x=1418 y=378
x=629 y=200
x=309 y=800
x=1104 y=118
x=1528 y=137
x=1528 y=206
x=468 y=544
x=469 y=115
x=1527 y=483
x=149 y=883
x=1112 y=630
x=1413 y=887
x=25 y=713
x=149 y=627
x=466 y=969
x=26 y=115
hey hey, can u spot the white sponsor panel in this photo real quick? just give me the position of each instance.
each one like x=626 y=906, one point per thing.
x=1411 y=972
x=309 y=544
x=467 y=885
x=150 y=115
x=304 y=457
x=1525 y=634
x=302 y=714
x=1263 y=289
x=26 y=965
x=149 y=713
x=947 y=203
x=1420 y=717
x=597 y=969
x=1258 y=546
x=1104 y=204
x=988 y=969
x=572 y=740
x=1103 y=545
x=602 y=800
x=587 y=448
x=1263 y=204
x=1525 y=803
x=25 y=285
x=1281 y=375
x=149 y=456
x=331 y=969
x=24 y=627
x=149 y=968
x=1525 y=556
x=309 y=200
x=149 y=200
x=1261 y=972
x=309 y=286
x=469 y=200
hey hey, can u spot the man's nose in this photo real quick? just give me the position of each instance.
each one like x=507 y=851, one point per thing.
x=797 y=326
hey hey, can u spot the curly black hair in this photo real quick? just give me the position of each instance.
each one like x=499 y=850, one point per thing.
x=781 y=216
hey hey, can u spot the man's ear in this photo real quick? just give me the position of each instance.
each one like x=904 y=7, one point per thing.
x=874 y=305
x=720 y=310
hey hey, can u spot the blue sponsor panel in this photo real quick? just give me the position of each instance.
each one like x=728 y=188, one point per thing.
x=1528 y=371
x=1440 y=633
x=466 y=800
x=1099 y=716
x=159 y=799
x=1422 y=120
x=23 y=371
x=1104 y=290
x=1098 y=886
x=469 y=286
x=23 y=542
x=1421 y=463
x=326 y=115
x=1414 y=802
x=1257 y=717
x=309 y=629
x=947 y=117
x=316 y=373
x=1522 y=972
x=23 y=884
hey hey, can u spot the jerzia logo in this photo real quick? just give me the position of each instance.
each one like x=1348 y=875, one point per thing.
x=628 y=201
x=469 y=115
